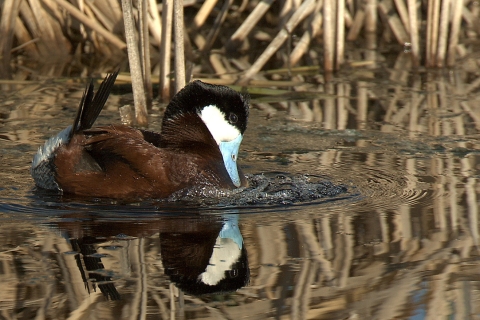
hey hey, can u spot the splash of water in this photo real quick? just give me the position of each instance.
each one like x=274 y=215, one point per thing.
x=266 y=189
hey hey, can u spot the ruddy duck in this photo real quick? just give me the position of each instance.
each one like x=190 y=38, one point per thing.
x=201 y=133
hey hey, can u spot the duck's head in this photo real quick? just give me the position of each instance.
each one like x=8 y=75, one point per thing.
x=222 y=110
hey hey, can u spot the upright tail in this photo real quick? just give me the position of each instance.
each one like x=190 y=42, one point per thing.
x=91 y=105
x=43 y=169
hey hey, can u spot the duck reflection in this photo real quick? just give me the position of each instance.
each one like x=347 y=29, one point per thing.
x=199 y=254
x=94 y=267
x=210 y=259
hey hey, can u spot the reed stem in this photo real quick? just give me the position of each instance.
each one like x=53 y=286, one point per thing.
x=165 y=49
x=179 y=45
x=340 y=34
x=328 y=34
x=145 y=51
x=7 y=23
x=455 y=31
x=135 y=65
x=415 y=45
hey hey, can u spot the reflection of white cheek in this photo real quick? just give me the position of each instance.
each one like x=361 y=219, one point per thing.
x=225 y=253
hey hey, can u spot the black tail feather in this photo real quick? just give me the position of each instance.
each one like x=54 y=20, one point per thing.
x=86 y=101
x=91 y=105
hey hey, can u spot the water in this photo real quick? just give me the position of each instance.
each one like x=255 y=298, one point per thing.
x=393 y=232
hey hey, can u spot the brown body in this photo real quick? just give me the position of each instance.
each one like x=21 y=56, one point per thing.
x=117 y=162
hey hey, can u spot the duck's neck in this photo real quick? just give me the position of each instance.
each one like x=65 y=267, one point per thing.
x=185 y=129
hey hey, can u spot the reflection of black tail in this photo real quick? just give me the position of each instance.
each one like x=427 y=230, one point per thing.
x=91 y=104
x=86 y=247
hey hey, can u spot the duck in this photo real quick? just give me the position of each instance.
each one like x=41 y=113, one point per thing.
x=197 y=147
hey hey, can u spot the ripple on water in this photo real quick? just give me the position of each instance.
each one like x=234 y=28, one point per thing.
x=380 y=188
x=264 y=190
x=387 y=188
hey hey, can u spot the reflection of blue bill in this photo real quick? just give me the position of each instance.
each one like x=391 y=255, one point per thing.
x=230 y=229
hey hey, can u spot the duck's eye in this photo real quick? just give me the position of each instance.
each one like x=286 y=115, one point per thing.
x=232 y=118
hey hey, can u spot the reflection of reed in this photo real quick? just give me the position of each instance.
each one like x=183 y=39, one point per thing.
x=370 y=264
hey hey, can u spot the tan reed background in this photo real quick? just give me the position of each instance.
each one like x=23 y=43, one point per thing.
x=242 y=38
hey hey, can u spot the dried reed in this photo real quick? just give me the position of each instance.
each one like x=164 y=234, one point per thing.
x=224 y=38
x=135 y=65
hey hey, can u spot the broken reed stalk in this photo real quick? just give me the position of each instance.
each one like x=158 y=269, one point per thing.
x=203 y=13
x=30 y=25
x=356 y=27
x=394 y=22
x=305 y=9
x=135 y=65
x=179 y=45
x=96 y=12
x=165 y=49
x=51 y=35
x=287 y=9
x=23 y=45
x=216 y=62
x=214 y=31
x=24 y=38
x=403 y=13
x=303 y=45
x=247 y=26
x=198 y=22
x=94 y=25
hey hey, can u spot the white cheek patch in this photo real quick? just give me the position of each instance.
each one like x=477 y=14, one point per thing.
x=221 y=130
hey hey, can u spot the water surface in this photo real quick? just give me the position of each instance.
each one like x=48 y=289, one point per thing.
x=400 y=242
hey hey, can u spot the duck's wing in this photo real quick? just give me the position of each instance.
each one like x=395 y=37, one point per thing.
x=170 y=167
x=110 y=144
x=114 y=162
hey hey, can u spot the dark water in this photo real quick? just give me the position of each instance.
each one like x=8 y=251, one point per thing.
x=394 y=235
